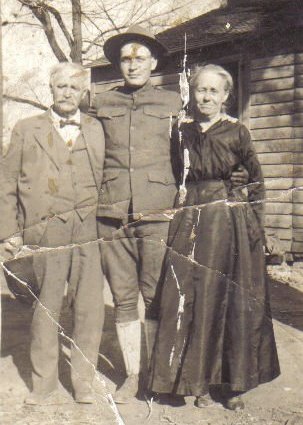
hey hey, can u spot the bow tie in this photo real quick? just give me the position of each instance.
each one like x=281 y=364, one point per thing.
x=63 y=123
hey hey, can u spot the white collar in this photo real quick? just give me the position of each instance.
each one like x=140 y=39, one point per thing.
x=57 y=118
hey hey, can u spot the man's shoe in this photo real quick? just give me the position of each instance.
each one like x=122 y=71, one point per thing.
x=128 y=390
x=235 y=403
x=203 y=401
x=36 y=399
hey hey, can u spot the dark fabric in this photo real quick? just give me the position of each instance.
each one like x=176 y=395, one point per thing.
x=137 y=168
x=132 y=258
x=215 y=321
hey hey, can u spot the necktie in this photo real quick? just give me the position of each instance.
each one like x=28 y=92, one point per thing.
x=63 y=123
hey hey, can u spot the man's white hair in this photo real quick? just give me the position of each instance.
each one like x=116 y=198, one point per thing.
x=76 y=68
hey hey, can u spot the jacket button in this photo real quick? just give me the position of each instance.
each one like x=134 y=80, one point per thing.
x=131 y=148
x=131 y=170
x=134 y=108
x=132 y=127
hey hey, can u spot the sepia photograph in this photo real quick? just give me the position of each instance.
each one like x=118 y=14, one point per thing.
x=151 y=216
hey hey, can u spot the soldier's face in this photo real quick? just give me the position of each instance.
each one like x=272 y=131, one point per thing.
x=136 y=64
x=68 y=89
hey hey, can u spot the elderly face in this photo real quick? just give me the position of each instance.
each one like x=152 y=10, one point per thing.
x=209 y=94
x=136 y=64
x=68 y=89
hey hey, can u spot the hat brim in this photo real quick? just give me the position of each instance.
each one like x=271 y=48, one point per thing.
x=112 y=47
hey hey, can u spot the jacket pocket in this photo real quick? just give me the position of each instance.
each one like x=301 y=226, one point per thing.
x=111 y=112
x=159 y=111
x=161 y=177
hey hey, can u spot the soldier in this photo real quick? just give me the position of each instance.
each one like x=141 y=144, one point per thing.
x=138 y=189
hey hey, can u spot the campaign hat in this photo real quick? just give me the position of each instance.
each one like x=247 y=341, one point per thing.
x=135 y=34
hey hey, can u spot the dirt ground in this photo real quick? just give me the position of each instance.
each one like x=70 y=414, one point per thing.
x=277 y=403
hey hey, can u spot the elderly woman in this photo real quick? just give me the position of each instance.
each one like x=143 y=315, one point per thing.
x=215 y=326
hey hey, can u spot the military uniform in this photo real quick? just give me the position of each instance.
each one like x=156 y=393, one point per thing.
x=138 y=190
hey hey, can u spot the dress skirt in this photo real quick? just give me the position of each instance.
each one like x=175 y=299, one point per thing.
x=215 y=324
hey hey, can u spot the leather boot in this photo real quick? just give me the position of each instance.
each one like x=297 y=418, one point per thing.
x=129 y=336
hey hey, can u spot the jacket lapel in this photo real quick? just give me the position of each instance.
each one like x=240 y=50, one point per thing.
x=45 y=134
x=91 y=144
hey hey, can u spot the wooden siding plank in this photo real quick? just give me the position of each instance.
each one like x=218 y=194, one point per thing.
x=270 y=122
x=268 y=110
x=297 y=170
x=274 y=97
x=276 y=72
x=282 y=208
x=272 y=85
x=284 y=170
x=279 y=221
x=271 y=61
x=276 y=158
x=298 y=105
x=273 y=133
x=296 y=247
x=298 y=58
x=278 y=183
x=297 y=221
x=283 y=234
x=298 y=195
x=279 y=195
x=298 y=235
x=285 y=145
x=298 y=209
x=298 y=93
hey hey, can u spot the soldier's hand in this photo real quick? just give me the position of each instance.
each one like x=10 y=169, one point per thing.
x=239 y=177
x=10 y=247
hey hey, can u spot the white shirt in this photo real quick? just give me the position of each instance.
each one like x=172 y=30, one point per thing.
x=69 y=133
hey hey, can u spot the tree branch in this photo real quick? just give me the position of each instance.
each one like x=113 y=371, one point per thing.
x=43 y=16
x=26 y=101
x=76 y=51
x=61 y=24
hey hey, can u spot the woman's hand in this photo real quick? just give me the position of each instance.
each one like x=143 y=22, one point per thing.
x=239 y=177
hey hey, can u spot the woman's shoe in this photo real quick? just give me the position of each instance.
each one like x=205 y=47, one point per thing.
x=235 y=403
x=203 y=401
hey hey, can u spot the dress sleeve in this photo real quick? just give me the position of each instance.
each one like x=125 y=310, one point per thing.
x=177 y=147
x=255 y=188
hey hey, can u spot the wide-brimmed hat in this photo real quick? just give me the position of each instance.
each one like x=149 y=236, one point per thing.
x=137 y=34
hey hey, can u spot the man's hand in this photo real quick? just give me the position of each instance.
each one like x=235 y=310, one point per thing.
x=10 y=247
x=239 y=177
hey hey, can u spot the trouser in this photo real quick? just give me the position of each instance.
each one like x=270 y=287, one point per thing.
x=80 y=266
x=132 y=258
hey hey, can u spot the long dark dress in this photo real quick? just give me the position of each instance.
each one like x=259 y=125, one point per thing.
x=215 y=323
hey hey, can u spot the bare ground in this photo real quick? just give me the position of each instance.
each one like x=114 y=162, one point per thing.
x=277 y=403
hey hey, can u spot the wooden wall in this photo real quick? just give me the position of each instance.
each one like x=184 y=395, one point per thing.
x=276 y=124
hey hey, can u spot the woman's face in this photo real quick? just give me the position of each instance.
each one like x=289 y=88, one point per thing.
x=209 y=94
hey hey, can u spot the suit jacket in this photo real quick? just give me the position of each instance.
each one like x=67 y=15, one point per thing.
x=27 y=169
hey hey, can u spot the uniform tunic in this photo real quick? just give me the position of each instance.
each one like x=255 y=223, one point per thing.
x=215 y=322
x=138 y=187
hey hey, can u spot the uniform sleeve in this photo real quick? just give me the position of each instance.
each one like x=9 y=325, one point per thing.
x=9 y=174
x=256 y=188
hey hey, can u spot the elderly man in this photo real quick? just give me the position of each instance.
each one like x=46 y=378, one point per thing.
x=50 y=182
x=138 y=190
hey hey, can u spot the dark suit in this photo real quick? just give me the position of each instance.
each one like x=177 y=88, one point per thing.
x=49 y=195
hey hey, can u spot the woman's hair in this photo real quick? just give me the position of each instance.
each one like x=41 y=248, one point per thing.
x=216 y=69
